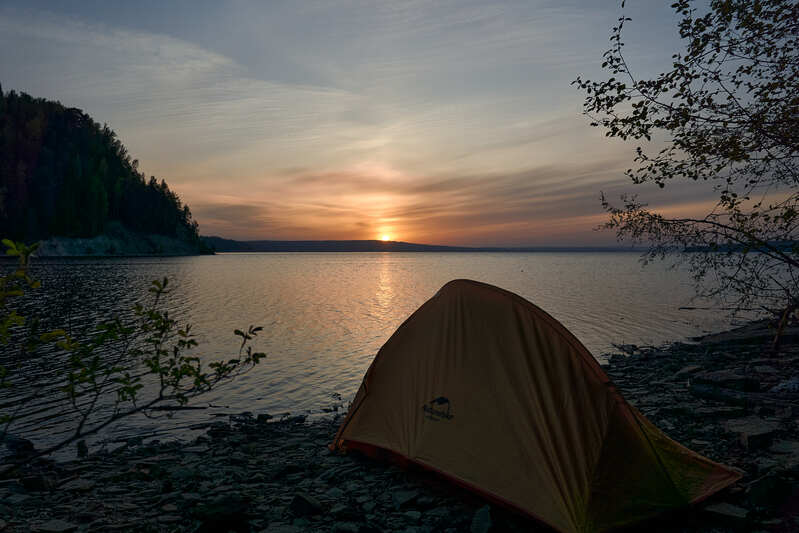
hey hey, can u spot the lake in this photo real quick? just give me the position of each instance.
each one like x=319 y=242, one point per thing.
x=325 y=315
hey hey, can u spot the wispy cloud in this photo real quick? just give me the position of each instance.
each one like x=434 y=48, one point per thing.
x=447 y=122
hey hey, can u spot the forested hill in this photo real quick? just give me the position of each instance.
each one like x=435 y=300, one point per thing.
x=62 y=174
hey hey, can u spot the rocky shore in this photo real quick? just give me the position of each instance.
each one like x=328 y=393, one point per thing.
x=725 y=396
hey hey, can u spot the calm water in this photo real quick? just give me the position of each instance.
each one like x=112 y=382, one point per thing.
x=325 y=315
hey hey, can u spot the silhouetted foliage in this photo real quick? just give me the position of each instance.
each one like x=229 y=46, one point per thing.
x=120 y=367
x=62 y=174
x=726 y=113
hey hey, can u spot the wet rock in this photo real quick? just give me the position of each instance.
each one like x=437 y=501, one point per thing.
x=752 y=432
x=481 y=521
x=3 y=524
x=413 y=516
x=55 y=526
x=304 y=505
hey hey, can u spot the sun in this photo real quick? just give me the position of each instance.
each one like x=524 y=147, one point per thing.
x=385 y=237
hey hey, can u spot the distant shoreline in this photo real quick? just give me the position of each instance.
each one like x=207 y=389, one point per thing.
x=221 y=245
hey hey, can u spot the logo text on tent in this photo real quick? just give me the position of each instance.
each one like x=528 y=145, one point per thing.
x=438 y=409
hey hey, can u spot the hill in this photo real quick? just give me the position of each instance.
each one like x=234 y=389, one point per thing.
x=64 y=175
x=220 y=244
x=227 y=245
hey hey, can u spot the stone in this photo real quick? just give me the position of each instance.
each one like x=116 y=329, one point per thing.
x=785 y=447
x=481 y=521
x=728 y=512
x=789 y=386
x=228 y=511
x=3 y=524
x=196 y=449
x=281 y=528
x=169 y=508
x=687 y=371
x=401 y=498
x=334 y=493
x=17 y=499
x=56 y=526
x=83 y=450
x=728 y=379
x=345 y=527
x=768 y=491
x=78 y=485
x=304 y=505
x=18 y=445
x=413 y=516
x=753 y=432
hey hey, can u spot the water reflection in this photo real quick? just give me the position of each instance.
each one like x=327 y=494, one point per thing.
x=325 y=315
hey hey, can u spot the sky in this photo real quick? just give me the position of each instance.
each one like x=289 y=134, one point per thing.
x=432 y=122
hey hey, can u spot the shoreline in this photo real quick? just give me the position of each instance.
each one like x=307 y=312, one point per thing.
x=722 y=396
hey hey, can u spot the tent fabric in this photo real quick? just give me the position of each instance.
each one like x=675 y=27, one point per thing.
x=487 y=389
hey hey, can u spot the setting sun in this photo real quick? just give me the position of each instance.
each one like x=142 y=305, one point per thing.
x=385 y=237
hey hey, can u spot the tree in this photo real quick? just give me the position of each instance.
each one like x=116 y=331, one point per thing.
x=725 y=113
x=122 y=367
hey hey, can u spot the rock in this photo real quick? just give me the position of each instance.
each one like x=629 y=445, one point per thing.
x=789 y=386
x=78 y=485
x=225 y=512
x=785 y=447
x=17 y=499
x=728 y=513
x=83 y=450
x=3 y=524
x=263 y=418
x=196 y=449
x=413 y=516
x=728 y=379
x=768 y=492
x=753 y=432
x=304 y=505
x=708 y=413
x=18 y=445
x=401 y=498
x=481 y=521
x=56 y=526
x=37 y=483
x=334 y=493
x=281 y=528
x=12 y=485
x=345 y=527
x=687 y=371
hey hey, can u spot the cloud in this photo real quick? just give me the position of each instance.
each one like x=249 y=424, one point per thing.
x=448 y=122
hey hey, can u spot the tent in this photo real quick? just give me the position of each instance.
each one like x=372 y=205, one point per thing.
x=490 y=391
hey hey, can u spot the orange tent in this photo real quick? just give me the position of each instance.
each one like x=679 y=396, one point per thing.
x=487 y=389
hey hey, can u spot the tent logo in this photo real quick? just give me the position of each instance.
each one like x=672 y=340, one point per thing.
x=438 y=409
